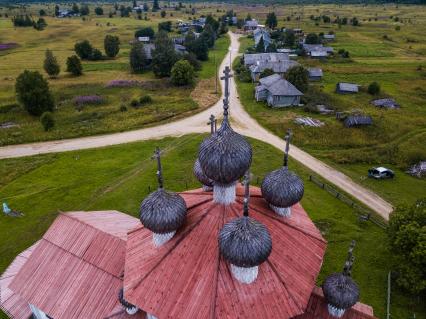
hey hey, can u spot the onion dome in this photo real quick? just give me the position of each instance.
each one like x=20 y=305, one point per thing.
x=162 y=212
x=245 y=243
x=340 y=291
x=130 y=309
x=202 y=178
x=282 y=188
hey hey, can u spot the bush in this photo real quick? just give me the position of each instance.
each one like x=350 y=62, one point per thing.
x=74 y=65
x=182 y=73
x=312 y=38
x=99 y=11
x=47 y=121
x=83 y=49
x=51 y=65
x=96 y=55
x=407 y=235
x=298 y=76
x=33 y=93
x=374 y=88
x=111 y=45
x=192 y=59
x=123 y=108
x=134 y=103
x=138 y=61
x=165 y=26
x=146 y=99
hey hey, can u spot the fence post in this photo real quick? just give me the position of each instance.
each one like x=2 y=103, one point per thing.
x=389 y=296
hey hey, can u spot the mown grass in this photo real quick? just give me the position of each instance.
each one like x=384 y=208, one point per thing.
x=60 y=36
x=397 y=137
x=120 y=177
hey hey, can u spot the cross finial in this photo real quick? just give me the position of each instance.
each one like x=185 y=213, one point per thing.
x=212 y=123
x=157 y=155
x=226 y=77
x=350 y=260
x=287 y=138
x=246 y=192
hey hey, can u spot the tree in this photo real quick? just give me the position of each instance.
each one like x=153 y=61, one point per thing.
x=96 y=55
x=374 y=88
x=145 y=7
x=145 y=32
x=165 y=26
x=209 y=35
x=51 y=65
x=47 y=121
x=298 y=76
x=182 y=73
x=163 y=56
x=271 y=20
x=407 y=236
x=40 y=24
x=42 y=13
x=212 y=22
x=111 y=45
x=312 y=38
x=192 y=59
x=260 y=47
x=83 y=49
x=163 y=13
x=74 y=66
x=84 y=10
x=265 y=73
x=75 y=9
x=99 y=11
x=290 y=38
x=200 y=49
x=155 y=6
x=135 y=4
x=33 y=93
x=137 y=58
x=56 y=10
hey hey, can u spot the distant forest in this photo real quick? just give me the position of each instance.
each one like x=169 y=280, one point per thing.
x=249 y=2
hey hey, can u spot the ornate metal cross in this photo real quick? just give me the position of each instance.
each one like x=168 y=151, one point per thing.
x=226 y=77
x=157 y=155
x=212 y=123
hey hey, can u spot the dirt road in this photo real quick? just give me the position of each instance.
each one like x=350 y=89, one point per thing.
x=242 y=123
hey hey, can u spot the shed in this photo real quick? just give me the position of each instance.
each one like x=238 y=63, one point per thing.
x=358 y=120
x=385 y=103
x=347 y=88
x=315 y=74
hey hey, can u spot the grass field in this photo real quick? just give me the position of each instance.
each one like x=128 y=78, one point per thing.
x=60 y=36
x=397 y=137
x=119 y=178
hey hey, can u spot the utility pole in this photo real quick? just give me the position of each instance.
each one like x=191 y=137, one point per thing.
x=216 y=77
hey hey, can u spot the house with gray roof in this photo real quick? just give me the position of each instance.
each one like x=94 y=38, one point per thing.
x=386 y=103
x=347 y=88
x=317 y=50
x=253 y=58
x=358 y=120
x=315 y=74
x=251 y=25
x=279 y=67
x=149 y=47
x=259 y=34
x=277 y=92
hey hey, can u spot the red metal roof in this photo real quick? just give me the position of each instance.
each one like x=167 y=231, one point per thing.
x=76 y=269
x=317 y=309
x=188 y=278
x=11 y=303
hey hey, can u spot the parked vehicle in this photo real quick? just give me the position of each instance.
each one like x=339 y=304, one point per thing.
x=380 y=173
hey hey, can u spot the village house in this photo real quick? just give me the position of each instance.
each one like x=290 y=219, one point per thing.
x=279 y=67
x=347 y=88
x=251 y=25
x=259 y=34
x=223 y=251
x=317 y=50
x=315 y=74
x=277 y=92
x=386 y=103
x=148 y=48
x=253 y=58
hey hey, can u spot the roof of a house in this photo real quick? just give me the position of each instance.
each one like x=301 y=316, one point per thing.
x=77 y=267
x=315 y=72
x=269 y=80
x=319 y=53
x=149 y=47
x=276 y=85
x=277 y=67
x=253 y=58
x=201 y=285
x=347 y=87
x=251 y=23
x=387 y=103
x=317 y=47
x=357 y=120
x=317 y=309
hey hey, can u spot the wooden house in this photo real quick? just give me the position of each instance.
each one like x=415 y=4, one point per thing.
x=277 y=92
x=347 y=88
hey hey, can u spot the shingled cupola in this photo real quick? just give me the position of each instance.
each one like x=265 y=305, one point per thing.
x=340 y=291
x=162 y=212
x=198 y=171
x=130 y=309
x=282 y=188
x=225 y=156
x=245 y=243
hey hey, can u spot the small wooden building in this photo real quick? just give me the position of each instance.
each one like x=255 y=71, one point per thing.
x=315 y=74
x=347 y=88
x=358 y=120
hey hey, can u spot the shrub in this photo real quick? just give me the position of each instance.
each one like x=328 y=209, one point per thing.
x=145 y=32
x=134 y=103
x=312 y=38
x=96 y=55
x=374 y=88
x=138 y=61
x=33 y=93
x=165 y=26
x=182 y=73
x=47 y=121
x=192 y=59
x=397 y=28
x=407 y=235
x=99 y=11
x=111 y=45
x=51 y=65
x=83 y=49
x=146 y=99
x=123 y=108
x=298 y=76
x=41 y=24
x=74 y=65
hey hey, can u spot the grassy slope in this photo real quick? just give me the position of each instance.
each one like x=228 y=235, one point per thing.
x=118 y=178
x=60 y=36
x=397 y=136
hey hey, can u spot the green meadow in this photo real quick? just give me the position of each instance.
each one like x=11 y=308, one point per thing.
x=120 y=177
x=398 y=63
x=169 y=102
